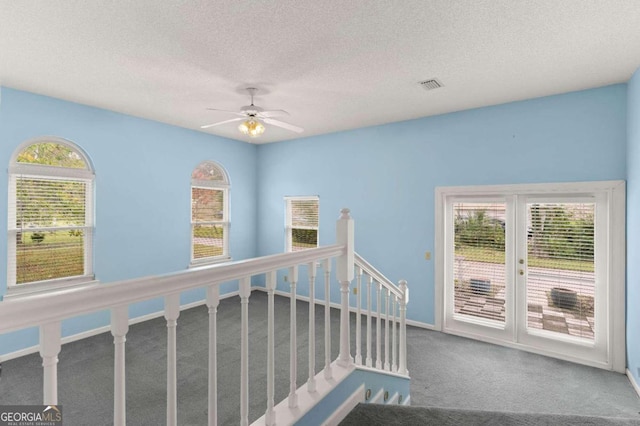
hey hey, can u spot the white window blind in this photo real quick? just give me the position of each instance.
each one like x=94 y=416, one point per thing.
x=560 y=250
x=209 y=213
x=302 y=215
x=50 y=214
x=479 y=259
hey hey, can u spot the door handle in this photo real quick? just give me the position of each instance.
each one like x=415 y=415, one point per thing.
x=521 y=272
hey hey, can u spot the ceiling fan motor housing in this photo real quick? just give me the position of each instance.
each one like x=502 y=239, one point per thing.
x=251 y=110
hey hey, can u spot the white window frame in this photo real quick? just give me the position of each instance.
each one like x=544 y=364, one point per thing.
x=288 y=226
x=218 y=185
x=26 y=170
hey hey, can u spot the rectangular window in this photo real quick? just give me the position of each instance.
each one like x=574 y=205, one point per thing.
x=301 y=222
x=50 y=228
x=209 y=223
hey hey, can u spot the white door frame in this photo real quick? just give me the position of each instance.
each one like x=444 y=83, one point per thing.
x=615 y=192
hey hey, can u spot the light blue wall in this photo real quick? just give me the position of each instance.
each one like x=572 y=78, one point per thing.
x=143 y=171
x=387 y=174
x=633 y=226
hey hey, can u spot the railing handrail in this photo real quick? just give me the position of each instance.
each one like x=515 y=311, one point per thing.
x=46 y=310
x=41 y=308
x=367 y=268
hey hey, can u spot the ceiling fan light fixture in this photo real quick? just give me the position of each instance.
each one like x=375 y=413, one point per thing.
x=252 y=127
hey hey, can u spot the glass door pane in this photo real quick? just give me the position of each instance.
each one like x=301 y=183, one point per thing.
x=479 y=260
x=560 y=269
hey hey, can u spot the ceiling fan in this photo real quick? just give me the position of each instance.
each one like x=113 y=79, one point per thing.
x=252 y=117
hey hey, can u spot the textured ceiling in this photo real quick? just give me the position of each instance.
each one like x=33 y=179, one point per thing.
x=333 y=65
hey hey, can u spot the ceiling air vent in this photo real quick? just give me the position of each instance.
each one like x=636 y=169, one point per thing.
x=430 y=84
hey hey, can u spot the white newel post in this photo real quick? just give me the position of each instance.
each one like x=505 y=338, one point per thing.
x=119 y=329
x=270 y=415
x=345 y=273
x=311 y=383
x=49 y=350
x=213 y=300
x=358 y=316
x=171 y=314
x=326 y=265
x=245 y=292
x=402 y=368
x=293 y=341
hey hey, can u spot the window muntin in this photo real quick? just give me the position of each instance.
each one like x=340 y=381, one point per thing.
x=302 y=222
x=209 y=213
x=50 y=215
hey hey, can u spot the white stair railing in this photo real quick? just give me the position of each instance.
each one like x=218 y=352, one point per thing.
x=391 y=303
x=48 y=310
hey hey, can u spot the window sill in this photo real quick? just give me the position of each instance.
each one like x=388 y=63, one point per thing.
x=50 y=286
x=208 y=262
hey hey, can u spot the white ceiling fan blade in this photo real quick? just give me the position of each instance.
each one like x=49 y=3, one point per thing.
x=221 y=122
x=272 y=113
x=226 y=110
x=283 y=125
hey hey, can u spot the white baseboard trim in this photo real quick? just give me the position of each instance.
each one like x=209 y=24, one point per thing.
x=19 y=353
x=349 y=404
x=106 y=328
x=634 y=384
x=378 y=398
x=407 y=400
x=421 y=325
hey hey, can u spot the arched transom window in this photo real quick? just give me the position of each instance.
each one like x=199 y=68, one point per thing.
x=209 y=213
x=50 y=214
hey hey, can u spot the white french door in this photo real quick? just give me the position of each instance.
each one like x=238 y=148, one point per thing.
x=536 y=267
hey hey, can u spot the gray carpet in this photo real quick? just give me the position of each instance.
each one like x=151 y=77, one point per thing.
x=447 y=371
x=455 y=372
x=85 y=369
x=376 y=414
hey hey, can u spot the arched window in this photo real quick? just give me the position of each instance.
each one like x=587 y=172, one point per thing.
x=209 y=213
x=50 y=215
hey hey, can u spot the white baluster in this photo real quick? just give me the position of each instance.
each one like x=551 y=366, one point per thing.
x=402 y=367
x=311 y=383
x=344 y=274
x=270 y=415
x=245 y=292
x=386 y=330
x=394 y=346
x=369 y=362
x=344 y=357
x=358 y=316
x=213 y=300
x=171 y=314
x=119 y=329
x=293 y=349
x=326 y=265
x=378 y=326
x=49 y=350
